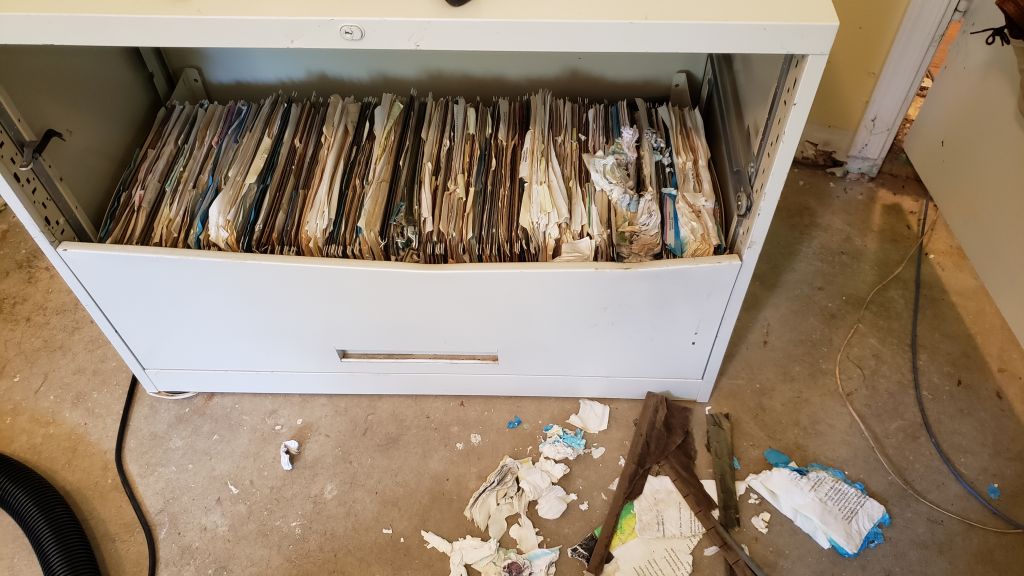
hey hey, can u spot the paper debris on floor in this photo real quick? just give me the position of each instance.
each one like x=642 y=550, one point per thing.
x=561 y=444
x=585 y=505
x=761 y=522
x=711 y=550
x=592 y=417
x=489 y=559
x=497 y=498
x=655 y=534
x=554 y=470
x=509 y=490
x=553 y=502
x=386 y=531
x=614 y=485
x=525 y=535
x=622 y=461
x=289 y=448
x=625 y=531
x=661 y=511
x=834 y=511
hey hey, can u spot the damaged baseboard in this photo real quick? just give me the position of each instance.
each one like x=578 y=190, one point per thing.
x=824 y=146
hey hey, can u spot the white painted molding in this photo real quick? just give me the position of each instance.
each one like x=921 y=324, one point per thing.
x=919 y=35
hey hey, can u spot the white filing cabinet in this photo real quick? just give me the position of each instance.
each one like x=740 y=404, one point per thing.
x=189 y=320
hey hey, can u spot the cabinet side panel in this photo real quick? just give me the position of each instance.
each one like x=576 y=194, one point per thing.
x=101 y=99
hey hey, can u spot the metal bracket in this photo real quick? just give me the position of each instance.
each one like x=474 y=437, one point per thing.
x=190 y=87
x=35 y=148
x=38 y=185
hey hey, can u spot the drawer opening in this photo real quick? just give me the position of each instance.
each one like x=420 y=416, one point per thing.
x=738 y=97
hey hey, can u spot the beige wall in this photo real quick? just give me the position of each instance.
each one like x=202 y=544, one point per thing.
x=866 y=31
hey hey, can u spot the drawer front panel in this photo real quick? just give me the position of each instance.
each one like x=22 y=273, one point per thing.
x=194 y=310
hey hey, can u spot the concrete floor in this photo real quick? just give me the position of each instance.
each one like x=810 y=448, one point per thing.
x=370 y=463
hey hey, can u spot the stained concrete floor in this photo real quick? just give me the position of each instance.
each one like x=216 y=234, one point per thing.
x=370 y=463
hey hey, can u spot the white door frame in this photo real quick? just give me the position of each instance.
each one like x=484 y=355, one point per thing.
x=921 y=30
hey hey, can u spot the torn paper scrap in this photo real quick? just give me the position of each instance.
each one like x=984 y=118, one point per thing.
x=525 y=535
x=622 y=461
x=489 y=559
x=533 y=481
x=664 y=557
x=597 y=451
x=661 y=511
x=514 y=423
x=554 y=470
x=592 y=416
x=711 y=550
x=289 y=448
x=585 y=505
x=386 y=531
x=561 y=444
x=614 y=485
x=761 y=522
x=553 y=502
x=232 y=488
x=510 y=563
x=497 y=498
x=468 y=550
x=475 y=439
x=822 y=502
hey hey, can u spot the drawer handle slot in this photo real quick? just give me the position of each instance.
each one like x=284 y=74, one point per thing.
x=410 y=358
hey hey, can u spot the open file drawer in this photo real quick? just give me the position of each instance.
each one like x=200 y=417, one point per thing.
x=219 y=321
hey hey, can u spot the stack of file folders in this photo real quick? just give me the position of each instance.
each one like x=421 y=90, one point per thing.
x=432 y=180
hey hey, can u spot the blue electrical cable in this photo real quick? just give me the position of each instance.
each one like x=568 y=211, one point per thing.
x=920 y=398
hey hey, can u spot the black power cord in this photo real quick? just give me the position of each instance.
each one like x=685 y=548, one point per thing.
x=118 y=462
x=920 y=397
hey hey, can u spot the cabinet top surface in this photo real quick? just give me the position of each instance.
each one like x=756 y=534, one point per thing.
x=749 y=11
x=637 y=26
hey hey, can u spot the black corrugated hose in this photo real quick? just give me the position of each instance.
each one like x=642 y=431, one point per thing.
x=48 y=521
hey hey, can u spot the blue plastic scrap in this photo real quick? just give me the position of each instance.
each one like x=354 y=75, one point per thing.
x=514 y=423
x=735 y=463
x=777 y=459
x=561 y=443
x=994 y=492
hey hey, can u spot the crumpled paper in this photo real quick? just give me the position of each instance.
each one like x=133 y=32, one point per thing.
x=592 y=417
x=561 y=444
x=489 y=559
